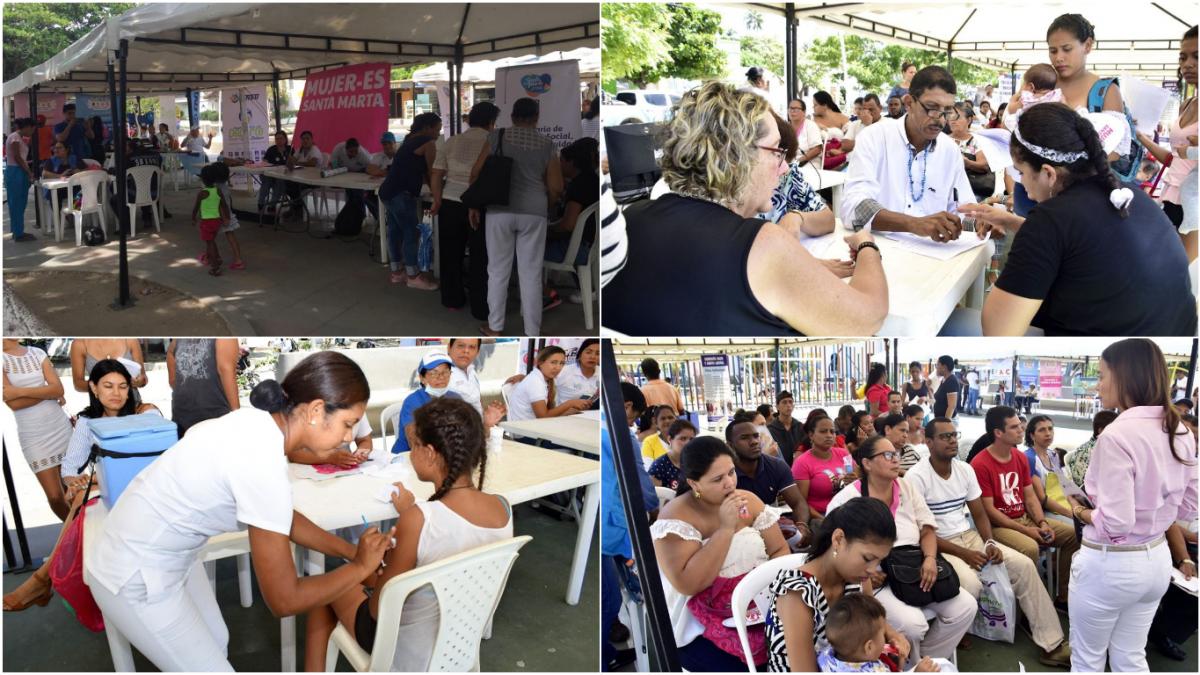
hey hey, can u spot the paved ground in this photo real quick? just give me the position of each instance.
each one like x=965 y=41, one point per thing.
x=297 y=282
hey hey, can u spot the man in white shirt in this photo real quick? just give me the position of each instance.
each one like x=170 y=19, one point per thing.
x=973 y=392
x=308 y=154
x=906 y=175
x=871 y=112
x=349 y=155
x=951 y=490
x=196 y=145
x=465 y=383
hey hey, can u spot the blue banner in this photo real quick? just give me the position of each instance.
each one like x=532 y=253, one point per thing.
x=1027 y=372
x=87 y=106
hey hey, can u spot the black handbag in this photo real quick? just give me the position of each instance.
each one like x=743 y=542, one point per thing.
x=492 y=185
x=903 y=568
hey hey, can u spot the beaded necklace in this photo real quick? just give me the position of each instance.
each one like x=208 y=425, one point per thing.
x=924 y=167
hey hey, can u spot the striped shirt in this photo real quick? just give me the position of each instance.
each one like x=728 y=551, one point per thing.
x=946 y=498
x=797 y=581
x=614 y=243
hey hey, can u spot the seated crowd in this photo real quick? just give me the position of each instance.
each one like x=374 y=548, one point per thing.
x=865 y=502
x=744 y=195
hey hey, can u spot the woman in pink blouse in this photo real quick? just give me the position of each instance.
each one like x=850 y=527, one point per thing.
x=1141 y=479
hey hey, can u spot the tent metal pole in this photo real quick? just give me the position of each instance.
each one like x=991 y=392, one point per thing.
x=778 y=374
x=1191 y=376
x=789 y=32
x=623 y=458
x=458 y=66
x=449 y=114
x=122 y=164
x=15 y=505
x=191 y=111
x=37 y=165
x=275 y=91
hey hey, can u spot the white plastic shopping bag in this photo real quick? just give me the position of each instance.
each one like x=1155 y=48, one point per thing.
x=997 y=615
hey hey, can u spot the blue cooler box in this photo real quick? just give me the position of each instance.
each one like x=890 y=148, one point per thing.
x=144 y=436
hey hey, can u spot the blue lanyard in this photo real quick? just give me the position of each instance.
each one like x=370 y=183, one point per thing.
x=924 y=166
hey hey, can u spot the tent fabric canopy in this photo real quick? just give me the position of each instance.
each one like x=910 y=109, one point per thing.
x=485 y=71
x=173 y=46
x=1136 y=36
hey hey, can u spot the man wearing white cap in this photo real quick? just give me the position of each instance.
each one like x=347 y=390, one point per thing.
x=435 y=383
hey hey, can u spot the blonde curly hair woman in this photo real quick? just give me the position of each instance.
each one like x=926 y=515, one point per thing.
x=738 y=275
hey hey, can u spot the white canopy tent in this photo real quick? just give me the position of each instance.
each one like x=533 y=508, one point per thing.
x=974 y=349
x=1132 y=36
x=174 y=47
x=485 y=71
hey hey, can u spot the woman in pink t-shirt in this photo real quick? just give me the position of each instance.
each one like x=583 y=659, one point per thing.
x=822 y=470
x=877 y=390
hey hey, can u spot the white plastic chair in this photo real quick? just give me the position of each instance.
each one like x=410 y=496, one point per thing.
x=665 y=494
x=504 y=391
x=390 y=415
x=90 y=184
x=584 y=271
x=468 y=588
x=143 y=177
x=224 y=546
x=750 y=586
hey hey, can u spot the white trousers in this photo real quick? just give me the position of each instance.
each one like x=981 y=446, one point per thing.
x=522 y=236
x=1113 y=598
x=183 y=632
x=937 y=639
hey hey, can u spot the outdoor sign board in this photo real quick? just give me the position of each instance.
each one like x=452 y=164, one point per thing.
x=716 y=378
x=346 y=102
x=555 y=85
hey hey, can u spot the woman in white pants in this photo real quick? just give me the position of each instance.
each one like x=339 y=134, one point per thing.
x=519 y=228
x=226 y=474
x=1142 y=478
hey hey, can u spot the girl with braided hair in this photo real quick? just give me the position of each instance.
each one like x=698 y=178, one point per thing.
x=1094 y=257
x=448 y=444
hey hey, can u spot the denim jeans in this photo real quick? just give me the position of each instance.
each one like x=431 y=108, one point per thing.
x=16 y=187
x=403 y=219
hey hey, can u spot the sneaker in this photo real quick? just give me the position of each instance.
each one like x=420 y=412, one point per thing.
x=421 y=284
x=487 y=331
x=1059 y=657
x=237 y=265
x=397 y=277
x=551 y=301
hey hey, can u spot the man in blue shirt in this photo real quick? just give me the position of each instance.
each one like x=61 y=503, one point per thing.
x=766 y=476
x=74 y=132
x=435 y=380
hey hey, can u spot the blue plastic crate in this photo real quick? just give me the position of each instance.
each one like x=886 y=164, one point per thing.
x=145 y=433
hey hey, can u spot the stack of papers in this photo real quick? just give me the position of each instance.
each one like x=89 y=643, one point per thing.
x=932 y=249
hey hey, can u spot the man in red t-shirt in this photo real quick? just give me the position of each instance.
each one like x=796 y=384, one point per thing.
x=1009 y=500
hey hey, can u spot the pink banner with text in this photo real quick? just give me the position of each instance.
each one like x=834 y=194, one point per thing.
x=347 y=102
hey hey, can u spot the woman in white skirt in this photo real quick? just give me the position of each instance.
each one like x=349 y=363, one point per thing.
x=33 y=391
x=1142 y=478
x=227 y=474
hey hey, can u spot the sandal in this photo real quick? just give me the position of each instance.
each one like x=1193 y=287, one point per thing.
x=11 y=604
x=238 y=265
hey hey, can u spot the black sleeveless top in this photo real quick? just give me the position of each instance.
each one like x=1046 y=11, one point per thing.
x=693 y=254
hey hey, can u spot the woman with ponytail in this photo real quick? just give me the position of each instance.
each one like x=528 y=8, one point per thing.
x=1094 y=257
x=448 y=445
x=879 y=478
x=228 y=474
x=850 y=546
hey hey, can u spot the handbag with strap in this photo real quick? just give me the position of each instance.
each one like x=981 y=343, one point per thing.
x=492 y=185
x=903 y=568
x=66 y=568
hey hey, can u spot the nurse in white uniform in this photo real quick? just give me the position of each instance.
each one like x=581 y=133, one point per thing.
x=229 y=474
x=465 y=382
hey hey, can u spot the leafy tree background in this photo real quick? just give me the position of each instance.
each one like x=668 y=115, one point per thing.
x=646 y=42
x=33 y=32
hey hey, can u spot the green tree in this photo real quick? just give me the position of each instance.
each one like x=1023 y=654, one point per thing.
x=406 y=72
x=34 y=32
x=876 y=66
x=633 y=38
x=754 y=21
x=694 y=55
x=764 y=52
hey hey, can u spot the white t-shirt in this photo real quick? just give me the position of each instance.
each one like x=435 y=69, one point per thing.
x=194 y=144
x=225 y=474
x=911 y=514
x=973 y=379
x=362 y=427
x=314 y=152
x=521 y=397
x=15 y=137
x=947 y=498
x=381 y=160
x=465 y=383
x=571 y=383
x=808 y=137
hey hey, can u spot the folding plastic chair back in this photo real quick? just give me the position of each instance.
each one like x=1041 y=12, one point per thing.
x=90 y=184
x=751 y=585
x=144 y=178
x=468 y=588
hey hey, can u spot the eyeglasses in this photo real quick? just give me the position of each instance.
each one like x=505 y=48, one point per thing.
x=950 y=436
x=889 y=455
x=779 y=153
x=937 y=113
